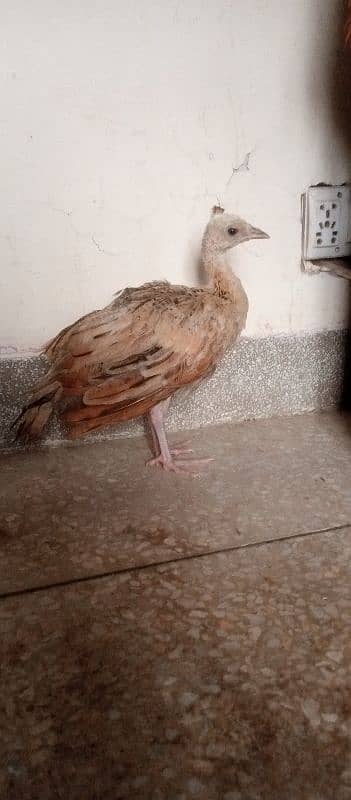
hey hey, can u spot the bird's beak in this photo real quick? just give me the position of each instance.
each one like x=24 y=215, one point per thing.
x=256 y=233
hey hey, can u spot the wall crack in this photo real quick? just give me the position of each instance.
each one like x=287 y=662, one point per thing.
x=243 y=167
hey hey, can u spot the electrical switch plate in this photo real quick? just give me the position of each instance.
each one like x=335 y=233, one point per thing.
x=326 y=222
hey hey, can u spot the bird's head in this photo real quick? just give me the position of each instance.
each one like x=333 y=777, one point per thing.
x=226 y=230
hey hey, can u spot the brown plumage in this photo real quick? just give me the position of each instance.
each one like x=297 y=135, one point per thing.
x=129 y=358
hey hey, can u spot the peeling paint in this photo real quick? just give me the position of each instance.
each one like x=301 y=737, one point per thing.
x=101 y=249
x=243 y=167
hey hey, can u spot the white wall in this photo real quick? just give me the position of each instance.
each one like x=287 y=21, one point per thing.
x=120 y=126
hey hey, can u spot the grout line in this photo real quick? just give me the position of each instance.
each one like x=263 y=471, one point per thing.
x=166 y=562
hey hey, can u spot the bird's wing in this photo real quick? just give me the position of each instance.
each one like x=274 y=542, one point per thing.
x=148 y=343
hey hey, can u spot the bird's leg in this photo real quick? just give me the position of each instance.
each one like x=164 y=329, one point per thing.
x=155 y=444
x=165 y=458
x=162 y=452
x=176 y=449
x=162 y=409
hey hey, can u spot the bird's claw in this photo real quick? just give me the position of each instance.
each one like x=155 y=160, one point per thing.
x=190 y=465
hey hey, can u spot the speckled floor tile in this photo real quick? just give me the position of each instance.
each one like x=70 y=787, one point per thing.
x=70 y=512
x=224 y=677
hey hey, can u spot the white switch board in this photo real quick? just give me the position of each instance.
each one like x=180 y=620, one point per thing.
x=326 y=216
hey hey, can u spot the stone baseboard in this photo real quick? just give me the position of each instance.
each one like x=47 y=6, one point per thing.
x=261 y=377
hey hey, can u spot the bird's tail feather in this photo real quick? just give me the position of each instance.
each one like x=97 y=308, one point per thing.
x=35 y=414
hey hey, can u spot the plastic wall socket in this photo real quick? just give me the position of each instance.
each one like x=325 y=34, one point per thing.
x=326 y=222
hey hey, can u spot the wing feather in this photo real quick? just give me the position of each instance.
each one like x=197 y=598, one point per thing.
x=143 y=347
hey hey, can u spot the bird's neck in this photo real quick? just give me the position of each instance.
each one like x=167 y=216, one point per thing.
x=220 y=275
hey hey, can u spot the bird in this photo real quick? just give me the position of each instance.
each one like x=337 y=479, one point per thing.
x=130 y=358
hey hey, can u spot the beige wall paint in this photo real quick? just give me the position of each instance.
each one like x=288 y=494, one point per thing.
x=120 y=126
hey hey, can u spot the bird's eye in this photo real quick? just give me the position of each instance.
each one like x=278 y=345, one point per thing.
x=232 y=231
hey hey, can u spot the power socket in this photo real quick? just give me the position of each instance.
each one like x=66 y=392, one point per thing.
x=326 y=216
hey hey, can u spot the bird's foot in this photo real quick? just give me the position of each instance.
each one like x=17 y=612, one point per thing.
x=181 y=448
x=191 y=466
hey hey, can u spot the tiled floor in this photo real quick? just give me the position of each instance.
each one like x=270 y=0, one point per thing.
x=169 y=638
